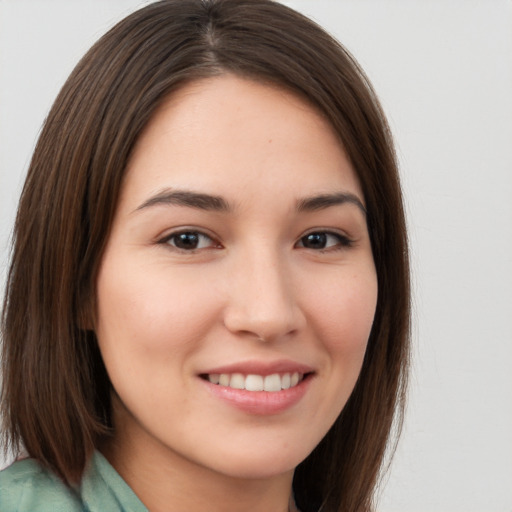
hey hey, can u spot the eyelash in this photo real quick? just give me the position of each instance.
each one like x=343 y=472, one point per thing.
x=343 y=242
x=187 y=232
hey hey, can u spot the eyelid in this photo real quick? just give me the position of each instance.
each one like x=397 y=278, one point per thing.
x=345 y=241
x=163 y=240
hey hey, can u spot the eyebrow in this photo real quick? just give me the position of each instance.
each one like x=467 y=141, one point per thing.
x=187 y=198
x=209 y=202
x=323 y=201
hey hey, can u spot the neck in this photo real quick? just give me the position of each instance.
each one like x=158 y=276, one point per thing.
x=165 y=481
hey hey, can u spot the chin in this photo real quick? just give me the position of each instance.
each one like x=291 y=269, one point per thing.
x=260 y=465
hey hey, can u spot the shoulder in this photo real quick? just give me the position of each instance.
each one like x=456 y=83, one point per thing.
x=25 y=486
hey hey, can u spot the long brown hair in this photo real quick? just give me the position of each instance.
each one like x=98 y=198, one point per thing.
x=56 y=392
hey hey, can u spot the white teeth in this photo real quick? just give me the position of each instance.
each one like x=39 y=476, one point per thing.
x=272 y=383
x=224 y=379
x=214 y=378
x=237 y=381
x=252 y=382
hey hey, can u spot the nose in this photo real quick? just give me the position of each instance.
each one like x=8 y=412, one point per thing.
x=262 y=300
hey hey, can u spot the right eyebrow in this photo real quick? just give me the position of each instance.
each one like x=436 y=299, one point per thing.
x=188 y=198
x=323 y=201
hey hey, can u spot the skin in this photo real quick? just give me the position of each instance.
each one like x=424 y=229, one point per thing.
x=254 y=289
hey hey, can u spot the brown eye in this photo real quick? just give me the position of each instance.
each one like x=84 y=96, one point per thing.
x=189 y=240
x=323 y=240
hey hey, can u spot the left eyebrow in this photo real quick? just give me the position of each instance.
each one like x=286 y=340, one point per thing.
x=322 y=201
x=187 y=198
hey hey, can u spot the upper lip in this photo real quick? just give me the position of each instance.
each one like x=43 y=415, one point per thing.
x=261 y=368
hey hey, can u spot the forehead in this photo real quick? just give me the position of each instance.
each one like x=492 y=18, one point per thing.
x=229 y=131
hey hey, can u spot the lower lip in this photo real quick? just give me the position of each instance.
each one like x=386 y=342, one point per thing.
x=260 y=402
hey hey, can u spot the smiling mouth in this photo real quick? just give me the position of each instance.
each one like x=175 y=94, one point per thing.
x=253 y=382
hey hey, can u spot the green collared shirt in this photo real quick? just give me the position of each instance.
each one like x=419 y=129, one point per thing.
x=27 y=487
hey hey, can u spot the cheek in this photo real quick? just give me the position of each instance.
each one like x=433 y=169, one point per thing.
x=344 y=310
x=151 y=312
x=150 y=321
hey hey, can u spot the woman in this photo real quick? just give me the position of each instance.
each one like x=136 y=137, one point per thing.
x=208 y=299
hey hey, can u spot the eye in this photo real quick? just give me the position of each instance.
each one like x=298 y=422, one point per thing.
x=189 y=240
x=321 y=240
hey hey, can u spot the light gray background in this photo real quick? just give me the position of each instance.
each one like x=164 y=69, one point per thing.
x=443 y=69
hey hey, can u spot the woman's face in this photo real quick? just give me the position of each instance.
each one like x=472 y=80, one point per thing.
x=239 y=257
